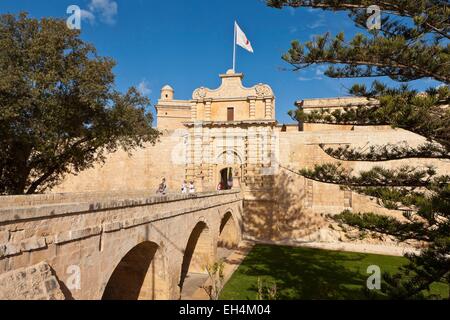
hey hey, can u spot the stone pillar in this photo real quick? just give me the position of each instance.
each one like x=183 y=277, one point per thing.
x=194 y=110
x=252 y=146
x=211 y=161
x=268 y=110
x=208 y=110
x=190 y=164
x=198 y=157
x=252 y=102
x=236 y=178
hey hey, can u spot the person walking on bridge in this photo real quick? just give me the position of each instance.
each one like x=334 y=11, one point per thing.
x=162 y=189
x=184 y=187
x=191 y=187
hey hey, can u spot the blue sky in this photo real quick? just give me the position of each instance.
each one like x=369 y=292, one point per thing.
x=188 y=43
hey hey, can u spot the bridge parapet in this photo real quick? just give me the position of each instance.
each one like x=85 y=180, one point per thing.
x=59 y=198
x=16 y=208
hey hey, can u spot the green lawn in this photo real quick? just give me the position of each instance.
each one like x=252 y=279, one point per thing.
x=303 y=273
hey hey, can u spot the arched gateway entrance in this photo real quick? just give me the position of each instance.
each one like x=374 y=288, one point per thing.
x=140 y=275
x=226 y=179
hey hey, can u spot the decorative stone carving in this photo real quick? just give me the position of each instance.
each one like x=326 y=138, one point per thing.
x=232 y=88
x=200 y=93
x=263 y=90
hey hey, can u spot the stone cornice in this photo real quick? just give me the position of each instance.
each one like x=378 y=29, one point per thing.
x=246 y=98
x=231 y=123
x=182 y=104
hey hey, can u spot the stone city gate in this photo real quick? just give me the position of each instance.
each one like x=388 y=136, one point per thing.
x=112 y=246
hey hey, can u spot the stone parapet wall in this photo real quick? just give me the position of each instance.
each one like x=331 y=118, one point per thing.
x=335 y=103
x=84 y=203
x=61 y=198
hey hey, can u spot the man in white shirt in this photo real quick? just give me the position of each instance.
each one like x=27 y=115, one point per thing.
x=184 y=187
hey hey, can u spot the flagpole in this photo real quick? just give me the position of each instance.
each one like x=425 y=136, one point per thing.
x=234 y=48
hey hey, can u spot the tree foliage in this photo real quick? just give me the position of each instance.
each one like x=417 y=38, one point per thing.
x=413 y=43
x=60 y=112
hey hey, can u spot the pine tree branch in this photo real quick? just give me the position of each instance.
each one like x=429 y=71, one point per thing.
x=427 y=114
x=390 y=57
x=400 y=8
x=386 y=225
x=387 y=152
x=405 y=176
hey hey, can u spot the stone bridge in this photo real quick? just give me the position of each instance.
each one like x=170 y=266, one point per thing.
x=112 y=246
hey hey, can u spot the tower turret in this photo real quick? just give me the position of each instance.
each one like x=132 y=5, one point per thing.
x=167 y=93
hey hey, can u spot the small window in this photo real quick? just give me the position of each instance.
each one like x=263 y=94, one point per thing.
x=230 y=114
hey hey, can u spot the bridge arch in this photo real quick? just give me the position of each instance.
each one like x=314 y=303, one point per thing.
x=229 y=235
x=200 y=250
x=140 y=275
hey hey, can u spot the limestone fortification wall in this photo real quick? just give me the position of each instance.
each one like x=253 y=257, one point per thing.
x=143 y=170
x=301 y=150
x=299 y=206
x=290 y=207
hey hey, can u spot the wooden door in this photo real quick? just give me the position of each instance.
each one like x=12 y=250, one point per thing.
x=230 y=114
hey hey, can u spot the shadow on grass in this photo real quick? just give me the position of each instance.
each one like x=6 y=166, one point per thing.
x=301 y=273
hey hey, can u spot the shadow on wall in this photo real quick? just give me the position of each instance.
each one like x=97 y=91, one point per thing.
x=228 y=233
x=281 y=215
x=198 y=252
x=65 y=291
x=136 y=277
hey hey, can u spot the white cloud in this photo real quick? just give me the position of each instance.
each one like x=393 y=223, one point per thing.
x=320 y=71
x=144 y=88
x=293 y=30
x=107 y=9
x=320 y=22
x=317 y=75
x=88 y=16
x=308 y=79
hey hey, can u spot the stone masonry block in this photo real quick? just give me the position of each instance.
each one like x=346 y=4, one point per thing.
x=4 y=237
x=33 y=244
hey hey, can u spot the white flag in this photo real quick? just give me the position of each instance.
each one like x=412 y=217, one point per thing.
x=241 y=39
